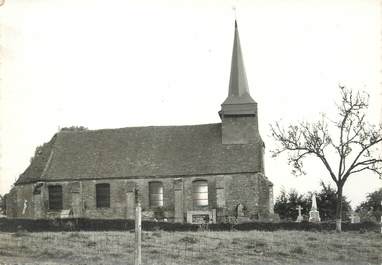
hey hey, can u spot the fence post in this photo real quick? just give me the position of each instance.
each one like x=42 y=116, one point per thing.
x=138 y=235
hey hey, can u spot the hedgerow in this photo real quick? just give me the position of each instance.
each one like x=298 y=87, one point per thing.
x=85 y=224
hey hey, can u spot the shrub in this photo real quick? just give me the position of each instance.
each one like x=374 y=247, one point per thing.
x=84 y=224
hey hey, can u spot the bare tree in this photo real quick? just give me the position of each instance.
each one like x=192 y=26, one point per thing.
x=345 y=146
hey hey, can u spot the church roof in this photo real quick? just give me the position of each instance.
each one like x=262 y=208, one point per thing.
x=132 y=152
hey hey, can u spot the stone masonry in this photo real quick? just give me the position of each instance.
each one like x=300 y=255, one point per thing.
x=225 y=192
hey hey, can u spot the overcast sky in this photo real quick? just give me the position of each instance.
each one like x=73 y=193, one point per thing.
x=111 y=64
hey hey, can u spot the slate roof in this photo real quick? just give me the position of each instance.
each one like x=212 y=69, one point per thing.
x=141 y=152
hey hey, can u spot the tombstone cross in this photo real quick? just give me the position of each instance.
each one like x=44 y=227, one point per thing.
x=299 y=217
x=299 y=208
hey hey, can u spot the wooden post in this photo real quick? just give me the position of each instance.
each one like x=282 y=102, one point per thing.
x=138 y=235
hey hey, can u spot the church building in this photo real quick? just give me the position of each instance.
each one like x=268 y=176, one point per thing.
x=179 y=173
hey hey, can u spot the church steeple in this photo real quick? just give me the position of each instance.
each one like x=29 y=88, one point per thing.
x=239 y=111
x=239 y=101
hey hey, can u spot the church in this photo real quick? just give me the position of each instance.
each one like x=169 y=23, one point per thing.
x=179 y=174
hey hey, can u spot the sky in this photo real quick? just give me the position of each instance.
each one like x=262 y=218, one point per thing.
x=118 y=63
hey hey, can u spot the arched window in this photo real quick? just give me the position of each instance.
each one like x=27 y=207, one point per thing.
x=103 y=195
x=200 y=192
x=55 y=197
x=156 y=194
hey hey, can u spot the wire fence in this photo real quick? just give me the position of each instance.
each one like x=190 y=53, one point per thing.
x=160 y=247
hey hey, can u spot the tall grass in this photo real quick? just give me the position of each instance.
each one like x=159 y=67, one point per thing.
x=160 y=247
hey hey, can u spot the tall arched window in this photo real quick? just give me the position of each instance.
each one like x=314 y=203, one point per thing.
x=103 y=195
x=156 y=194
x=200 y=192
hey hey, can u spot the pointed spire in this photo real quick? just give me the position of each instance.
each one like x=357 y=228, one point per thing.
x=238 y=93
x=238 y=84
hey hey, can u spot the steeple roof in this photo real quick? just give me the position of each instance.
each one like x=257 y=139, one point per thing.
x=238 y=84
x=239 y=101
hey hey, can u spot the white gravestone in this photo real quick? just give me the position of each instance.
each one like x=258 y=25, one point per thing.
x=67 y=213
x=314 y=214
x=299 y=217
x=240 y=210
x=25 y=206
x=240 y=215
x=354 y=218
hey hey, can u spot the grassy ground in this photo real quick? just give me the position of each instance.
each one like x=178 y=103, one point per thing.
x=254 y=247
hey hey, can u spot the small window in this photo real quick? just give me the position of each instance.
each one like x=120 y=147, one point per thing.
x=200 y=192
x=156 y=194
x=55 y=197
x=103 y=195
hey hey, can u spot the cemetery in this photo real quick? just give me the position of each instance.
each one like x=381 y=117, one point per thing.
x=100 y=241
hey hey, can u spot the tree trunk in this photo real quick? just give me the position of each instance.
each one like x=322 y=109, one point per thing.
x=339 y=209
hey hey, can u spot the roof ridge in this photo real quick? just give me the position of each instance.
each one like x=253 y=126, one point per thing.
x=138 y=127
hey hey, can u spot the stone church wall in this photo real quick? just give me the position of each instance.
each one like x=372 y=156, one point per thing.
x=24 y=201
x=11 y=203
x=225 y=193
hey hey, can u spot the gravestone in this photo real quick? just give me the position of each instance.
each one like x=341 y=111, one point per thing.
x=67 y=213
x=240 y=210
x=25 y=206
x=240 y=214
x=354 y=218
x=314 y=214
x=200 y=217
x=299 y=217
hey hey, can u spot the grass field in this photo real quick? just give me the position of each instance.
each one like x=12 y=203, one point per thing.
x=254 y=247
